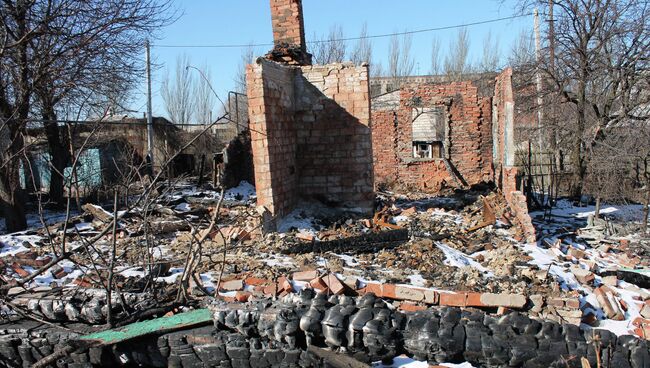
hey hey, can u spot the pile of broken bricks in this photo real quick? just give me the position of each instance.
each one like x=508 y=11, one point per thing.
x=408 y=297
x=595 y=266
x=21 y=260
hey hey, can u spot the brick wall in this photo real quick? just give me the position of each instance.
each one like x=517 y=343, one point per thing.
x=288 y=33
x=310 y=135
x=503 y=142
x=467 y=143
x=334 y=144
x=270 y=110
x=503 y=120
x=287 y=22
x=384 y=145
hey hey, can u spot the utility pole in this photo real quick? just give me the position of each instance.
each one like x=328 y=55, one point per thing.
x=149 y=116
x=551 y=66
x=538 y=77
x=551 y=35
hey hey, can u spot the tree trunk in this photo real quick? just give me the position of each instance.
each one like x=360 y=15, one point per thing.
x=597 y=211
x=12 y=203
x=577 y=158
x=12 y=197
x=11 y=194
x=58 y=152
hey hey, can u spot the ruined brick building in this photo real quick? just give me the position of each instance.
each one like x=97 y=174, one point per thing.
x=432 y=136
x=428 y=136
x=309 y=124
x=316 y=138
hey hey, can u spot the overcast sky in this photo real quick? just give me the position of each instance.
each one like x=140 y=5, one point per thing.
x=219 y=22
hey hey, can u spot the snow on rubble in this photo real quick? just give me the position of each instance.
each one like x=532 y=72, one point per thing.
x=412 y=253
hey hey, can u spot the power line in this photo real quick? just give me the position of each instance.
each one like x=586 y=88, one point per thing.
x=355 y=38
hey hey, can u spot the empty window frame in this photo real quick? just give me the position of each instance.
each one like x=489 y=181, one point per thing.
x=427 y=149
x=428 y=132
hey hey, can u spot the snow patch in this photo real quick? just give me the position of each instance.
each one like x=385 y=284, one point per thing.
x=406 y=362
x=243 y=192
x=459 y=259
x=297 y=220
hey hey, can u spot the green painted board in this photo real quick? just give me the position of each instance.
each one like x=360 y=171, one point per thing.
x=158 y=325
x=642 y=271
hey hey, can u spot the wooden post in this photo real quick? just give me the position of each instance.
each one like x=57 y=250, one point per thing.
x=201 y=166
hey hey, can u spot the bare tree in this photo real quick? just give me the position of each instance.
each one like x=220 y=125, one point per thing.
x=377 y=69
x=98 y=54
x=55 y=53
x=456 y=64
x=596 y=66
x=204 y=97
x=362 y=52
x=400 y=60
x=435 y=56
x=491 y=53
x=522 y=53
x=178 y=98
x=618 y=168
x=330 y=49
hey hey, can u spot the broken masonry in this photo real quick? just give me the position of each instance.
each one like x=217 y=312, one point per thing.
x=316 y=138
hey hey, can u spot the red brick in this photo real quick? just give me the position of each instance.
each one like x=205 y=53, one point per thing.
x=607 y=302
x=388 y=291
x=318 y=284
x=470 y=147
x=58 y=272
x=453 y=299
x=372 y=287
x=411 y=307
x=473 y=300
x=19 y=270
x=333 y=284
x=26 y=255
x=284 y=284
x=271 y=289
x=642 y=327
x=255 y=281
x=242 y=296
x=305 y=275
x=82 y=282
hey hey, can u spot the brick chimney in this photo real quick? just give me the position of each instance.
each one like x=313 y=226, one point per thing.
x=288 y=23
x=288 y=33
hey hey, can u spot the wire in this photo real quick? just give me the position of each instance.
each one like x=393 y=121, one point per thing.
x=353 y=38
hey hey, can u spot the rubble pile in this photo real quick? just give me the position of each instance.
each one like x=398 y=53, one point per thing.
x=417 y=254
